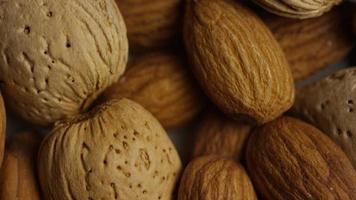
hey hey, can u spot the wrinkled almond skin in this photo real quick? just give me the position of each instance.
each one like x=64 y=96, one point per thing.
x=312 y=44
x=218 y=135
x=299 y=9
x=18 y=179
x=151 y=23
x=290 y=159
x=162 y=84
x=59 y=55
x=214 y=178
x=117 y=151
x=218 y=36
x=2 y=128
x=329 y=104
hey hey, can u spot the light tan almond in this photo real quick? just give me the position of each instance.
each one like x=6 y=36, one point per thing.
x=290 y=159
x=218 y=135
x=117 y=151
x=160 y=82
x=18 y=177
x=151 y=23
x=237 y=60
x=312 y=44
x=299 y=9
x=330 y=105
x=214 y=178
x=57 y=56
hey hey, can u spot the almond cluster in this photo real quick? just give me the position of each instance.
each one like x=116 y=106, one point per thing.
x=174 y=99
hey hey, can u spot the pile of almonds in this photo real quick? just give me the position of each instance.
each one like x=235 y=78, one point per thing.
x=104 y=80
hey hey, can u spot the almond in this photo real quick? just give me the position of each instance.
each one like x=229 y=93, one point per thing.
x=214 y=178
x=330 y=105
x=300 y=9
x=59 y=55
x=18 y=179
x=237 y=60
x=117 y=151
x=290 y=159
x=162 y=84
x=218 y=135
x=151 y=24
x=2 y=128
x=312 y=44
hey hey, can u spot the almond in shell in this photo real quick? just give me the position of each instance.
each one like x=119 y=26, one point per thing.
x=117 y=151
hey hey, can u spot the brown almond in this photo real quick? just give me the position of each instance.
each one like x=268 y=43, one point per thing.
x=219 y=135
x=214 y=178
x=18 y=179
x=253 y=83
x=151 y=24
x=160 y=82
x=2 y=128
x=330 y=105
x=290 y=159
x=312 y=44
x=117 y=151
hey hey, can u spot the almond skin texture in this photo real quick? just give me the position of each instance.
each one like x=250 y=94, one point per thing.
x=161 y=83
x=214 y=178
x=218 y=135
x=2 y=128
x=299 y=9
x=151 y=23
x=117 y=151
x=312 y=44
x=59 y=55
x=253 y=83
x=290 y=159
x=330 y=105
x=18 y=179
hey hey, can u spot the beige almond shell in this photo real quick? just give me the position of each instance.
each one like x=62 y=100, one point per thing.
x=312 y=44
x=2 y=128
x=298 y=9
x=221 y=136
x=118 y=151
x=290 y=159
x=58 y=55
x=330 y=105
x=214 y=178
x=18 y=177
x=237 y=60
x=151 y=23
x=161 y=83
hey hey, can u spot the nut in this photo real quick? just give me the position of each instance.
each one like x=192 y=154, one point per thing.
x=253 y=83
x=58 y=55
x=312 y=44
x=161 y=83
x=330 y=105
x=18 y=179
x=151 y=24
x=2 y=128
x=218 y=135
x=289 y=159
x=299 y=9
x=117 y=151
x=214 y=178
